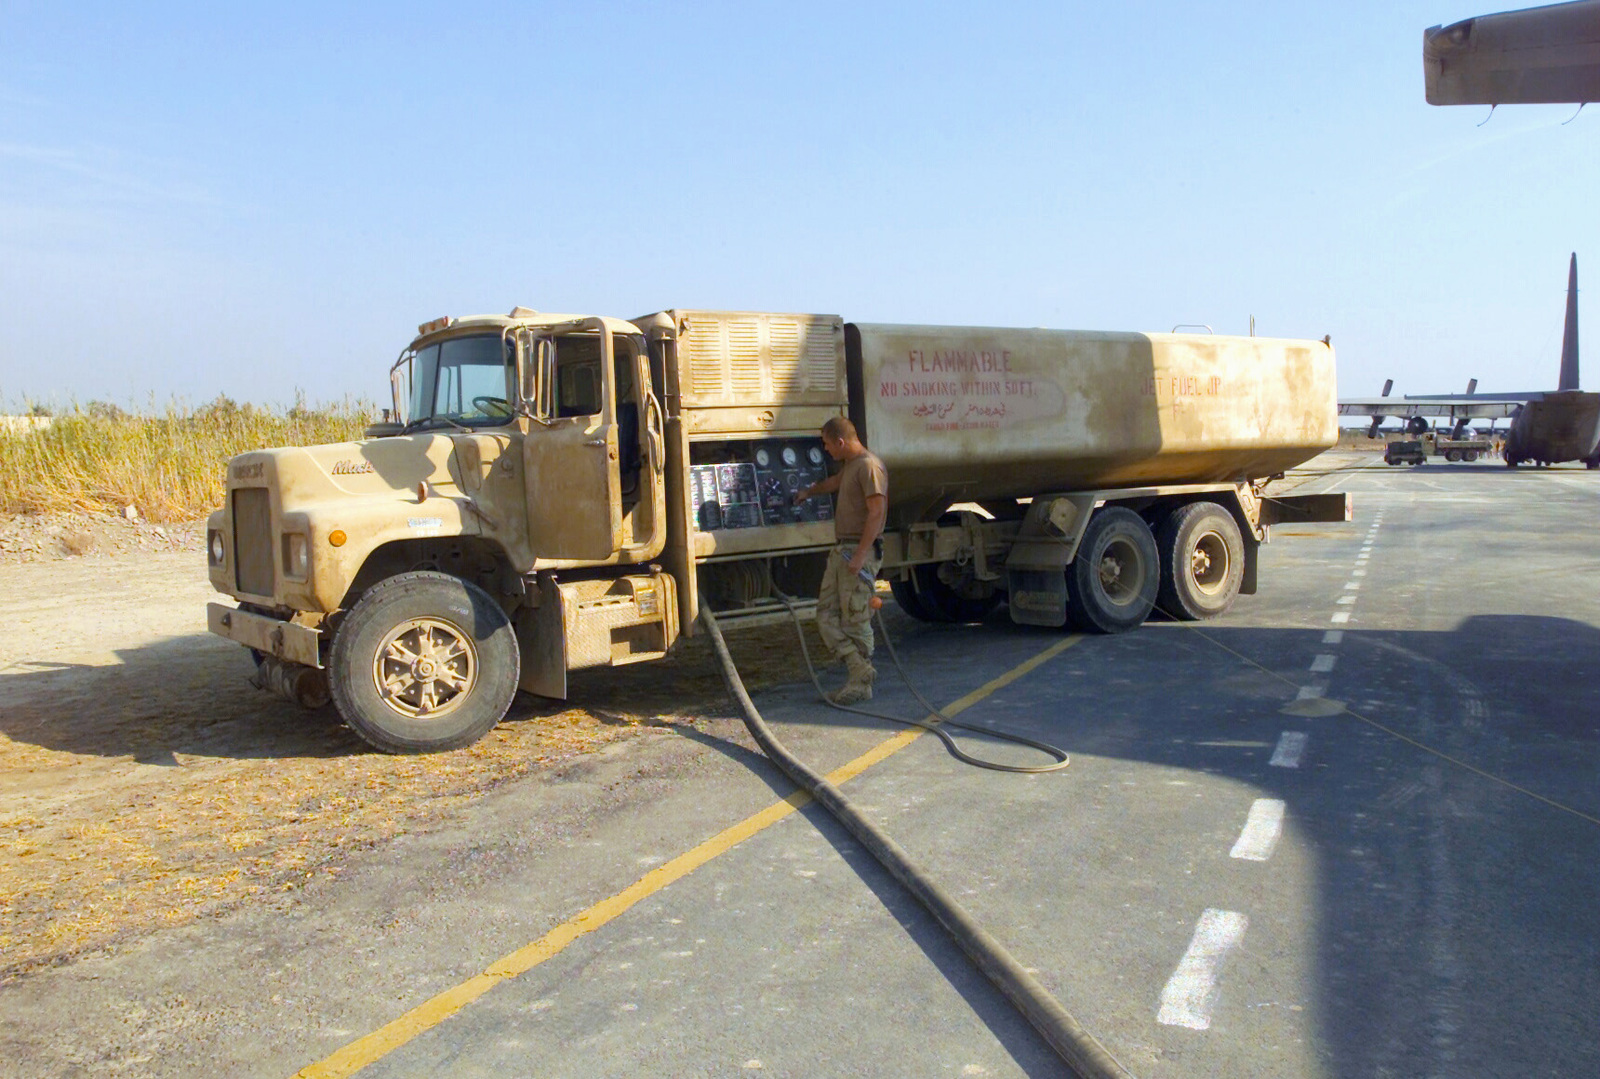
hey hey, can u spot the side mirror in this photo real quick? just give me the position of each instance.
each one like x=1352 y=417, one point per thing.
x=538 y=374
x=399 y=391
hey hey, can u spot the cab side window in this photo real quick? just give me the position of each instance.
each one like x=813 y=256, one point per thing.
x=578 y=382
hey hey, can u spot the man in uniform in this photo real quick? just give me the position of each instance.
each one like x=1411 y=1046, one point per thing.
x=844 y=610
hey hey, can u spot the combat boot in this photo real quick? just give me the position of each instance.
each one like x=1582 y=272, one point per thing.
x=859 y=685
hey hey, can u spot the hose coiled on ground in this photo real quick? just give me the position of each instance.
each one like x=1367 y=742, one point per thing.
x=934 y=727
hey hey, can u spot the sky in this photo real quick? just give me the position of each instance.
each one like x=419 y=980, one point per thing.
x=260 y=200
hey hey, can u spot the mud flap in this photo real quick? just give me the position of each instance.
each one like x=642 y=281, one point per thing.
x=1038 y=597
x=542 y=636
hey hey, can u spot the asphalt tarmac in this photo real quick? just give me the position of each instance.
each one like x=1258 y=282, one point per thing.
x=1350 y=829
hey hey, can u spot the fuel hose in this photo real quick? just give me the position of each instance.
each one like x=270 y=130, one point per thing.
x=936 y=726
x=1087 y=1058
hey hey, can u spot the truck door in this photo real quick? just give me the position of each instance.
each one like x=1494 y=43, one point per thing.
x=571 y=452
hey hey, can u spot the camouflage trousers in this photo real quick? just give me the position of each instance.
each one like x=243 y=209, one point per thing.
x=844 y=611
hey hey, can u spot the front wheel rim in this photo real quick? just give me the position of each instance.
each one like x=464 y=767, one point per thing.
x=425 y=668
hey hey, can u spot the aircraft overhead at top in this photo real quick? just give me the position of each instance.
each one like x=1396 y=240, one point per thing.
x=1536 y=56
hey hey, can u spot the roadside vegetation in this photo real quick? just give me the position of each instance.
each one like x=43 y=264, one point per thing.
x=167 y=464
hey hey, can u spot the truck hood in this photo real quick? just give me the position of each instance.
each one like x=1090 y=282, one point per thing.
x=371 y=467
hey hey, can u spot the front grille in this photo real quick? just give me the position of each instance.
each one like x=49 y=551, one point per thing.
x=252 y=540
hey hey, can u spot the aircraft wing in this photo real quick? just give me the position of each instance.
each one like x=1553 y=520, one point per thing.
x=1457 y=406
x=1541 y=55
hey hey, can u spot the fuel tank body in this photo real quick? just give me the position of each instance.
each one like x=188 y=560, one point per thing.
x=967 y=413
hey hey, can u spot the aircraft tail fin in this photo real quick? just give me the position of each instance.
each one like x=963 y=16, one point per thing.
x=1569 y=337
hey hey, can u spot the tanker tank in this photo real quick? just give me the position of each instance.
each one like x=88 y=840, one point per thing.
x=963 y=413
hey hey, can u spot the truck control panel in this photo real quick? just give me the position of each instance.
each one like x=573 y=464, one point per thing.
x=748 y=483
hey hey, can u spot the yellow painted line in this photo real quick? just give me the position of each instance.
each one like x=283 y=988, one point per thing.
x=430 y=1013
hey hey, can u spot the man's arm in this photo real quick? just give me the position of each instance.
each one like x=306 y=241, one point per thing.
x=877 y=512
x=821 y=487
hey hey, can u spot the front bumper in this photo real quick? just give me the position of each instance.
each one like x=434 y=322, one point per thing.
x=286 y=640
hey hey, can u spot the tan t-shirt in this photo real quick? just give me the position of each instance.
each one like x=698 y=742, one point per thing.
x=861 y=477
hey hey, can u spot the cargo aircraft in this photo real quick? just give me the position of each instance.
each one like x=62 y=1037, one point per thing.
x=1546 y=426
x=1538 y=55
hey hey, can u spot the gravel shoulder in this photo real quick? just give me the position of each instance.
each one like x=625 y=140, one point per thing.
x=144 y=783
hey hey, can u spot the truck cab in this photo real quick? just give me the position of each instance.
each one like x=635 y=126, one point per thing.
x=517 y=446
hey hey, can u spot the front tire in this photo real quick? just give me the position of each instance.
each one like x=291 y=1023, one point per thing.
x=1202 y=561
x=424 y=662
x=1112 y=581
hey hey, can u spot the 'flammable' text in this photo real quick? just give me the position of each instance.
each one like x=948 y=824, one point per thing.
x=959 y=361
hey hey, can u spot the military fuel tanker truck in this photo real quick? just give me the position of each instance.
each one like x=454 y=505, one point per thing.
x=556 y=492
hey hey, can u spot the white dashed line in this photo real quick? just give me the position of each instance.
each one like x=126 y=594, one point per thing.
x=1352 y=586
x=1347 y=599
x=1310 y=692
x=1333 y=636
x=1191 y=992
x=1291 y=744
x=1261 y=831
x=1341 y=616
x=1323 y=663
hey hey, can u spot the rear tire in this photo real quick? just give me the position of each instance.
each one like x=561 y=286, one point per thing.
x=1112 y=581
x=1469 y=456
x=905 y=594
x=424 y=662
x=1202 y=561
x=970 y=601
x=1452 y=456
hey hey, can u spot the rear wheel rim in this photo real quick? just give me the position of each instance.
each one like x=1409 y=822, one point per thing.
x=1122 y=572
x=1209 y=563
x=425 y=668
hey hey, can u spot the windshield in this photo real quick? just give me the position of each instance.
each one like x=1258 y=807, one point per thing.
x=465 y=381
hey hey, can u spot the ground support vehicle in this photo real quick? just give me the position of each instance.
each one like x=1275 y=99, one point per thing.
x=1404 y=452
x=555 y=492
x=1457 y=449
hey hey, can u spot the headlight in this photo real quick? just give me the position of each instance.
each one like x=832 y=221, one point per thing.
x=214 y=546
x=296 y=555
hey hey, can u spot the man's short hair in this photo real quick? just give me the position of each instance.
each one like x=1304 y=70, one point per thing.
x=839 y=428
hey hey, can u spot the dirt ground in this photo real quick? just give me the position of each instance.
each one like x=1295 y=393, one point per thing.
x=144 y=783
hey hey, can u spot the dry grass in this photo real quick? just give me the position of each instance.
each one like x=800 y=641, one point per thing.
x=168 y=465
